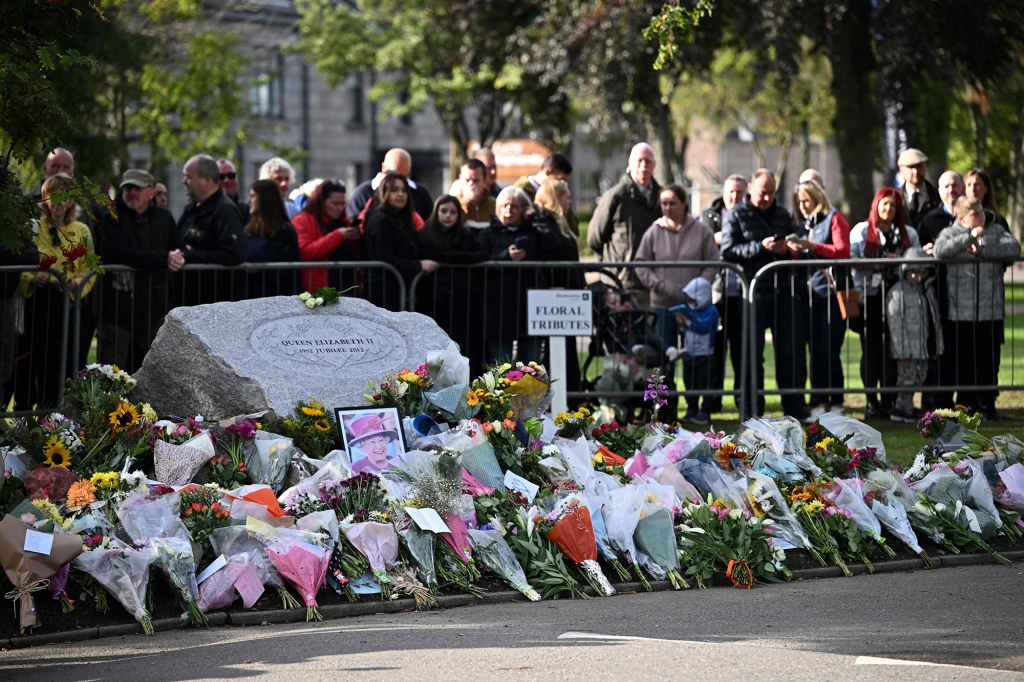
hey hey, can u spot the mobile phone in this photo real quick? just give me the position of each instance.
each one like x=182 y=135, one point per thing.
x=522 y=242
x=791 y=237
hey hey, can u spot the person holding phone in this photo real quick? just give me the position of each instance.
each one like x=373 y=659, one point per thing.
x=516 y=234
x=828 y=236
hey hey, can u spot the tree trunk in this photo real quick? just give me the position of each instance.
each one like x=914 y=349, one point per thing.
x=855 y=119
x=664 y=143
x=979 y=133
x=755 y=147
x=780 y=167
x=805 y=145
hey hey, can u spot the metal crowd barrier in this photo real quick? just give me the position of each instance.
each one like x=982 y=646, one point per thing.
x=482 y=307
x=34 y=343
x=945 y=373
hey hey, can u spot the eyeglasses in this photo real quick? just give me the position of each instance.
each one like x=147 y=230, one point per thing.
x=228 y=176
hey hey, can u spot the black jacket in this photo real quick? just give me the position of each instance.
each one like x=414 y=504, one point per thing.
x=713 y=216
x=933 y=223
x=142 y=241
x=506 y=287
x=930 y=200
x=213 y=230
x=422 y=202
x=283 y=248
x=388 y=240
x=745 y=227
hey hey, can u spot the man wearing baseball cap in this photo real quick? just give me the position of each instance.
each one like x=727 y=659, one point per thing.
x=919 y=195
x=133 y=304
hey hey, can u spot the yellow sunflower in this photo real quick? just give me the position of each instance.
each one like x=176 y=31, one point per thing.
x=57 y=454
x=322 y=425
x=312 y=412
x=123 y=417
x=472 y=400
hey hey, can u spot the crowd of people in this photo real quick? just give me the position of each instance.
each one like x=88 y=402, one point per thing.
x=919 y=324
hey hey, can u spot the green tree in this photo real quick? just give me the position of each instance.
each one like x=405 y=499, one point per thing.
x=465 y=57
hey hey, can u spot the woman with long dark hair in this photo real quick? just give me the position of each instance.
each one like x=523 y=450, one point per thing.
x=270 y=238
x=326 y=234
x=884 y=234
x=391 y=237
x=978 y=184
x=446 y=295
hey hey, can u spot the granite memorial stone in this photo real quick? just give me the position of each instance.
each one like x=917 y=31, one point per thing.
x=224 y=359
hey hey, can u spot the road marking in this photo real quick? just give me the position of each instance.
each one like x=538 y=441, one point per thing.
x=622 y=638
x=874 y=660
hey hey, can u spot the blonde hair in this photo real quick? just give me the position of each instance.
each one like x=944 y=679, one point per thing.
x=549 y=196
x=965 y=204
x=54 y=183
x=817 y=195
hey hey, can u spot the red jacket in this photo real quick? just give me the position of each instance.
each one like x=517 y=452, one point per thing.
x=315 y=245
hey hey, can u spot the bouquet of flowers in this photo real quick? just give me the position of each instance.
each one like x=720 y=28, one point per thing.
x=403 y=389
x=304 y=565
x=175 y=558
x=53 y=440
x=228 y=474
x=779 y=445
x=716 y=539
x=809 y=508
x=238 y=541
x=499 y=557
x=848 y=494
x=523 y=388
x=945 y=425
x=575 y=424
x=176 y=433
x=621 y=440
x=202 y=512
x=123 y=571
x=28 y=570
x=766 y=500
x=310 y=426
x=570 y=527
x=420 y=547
x=219 y=590
x=621 y=513
x=235 y=439
x=655 y=536
x=178 y=464
x=378 y=542
x=268 y=461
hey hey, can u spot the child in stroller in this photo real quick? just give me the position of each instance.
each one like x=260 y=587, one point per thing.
x=630 y=345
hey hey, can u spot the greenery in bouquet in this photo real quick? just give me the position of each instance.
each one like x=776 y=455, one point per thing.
x=176 y=433
x=202 y=512
x=403 y=390
x=716 y=540
x=955 y=523
x=227 y=473
x=809 y=507
x=10 y=488
x=310 y=427
x=97 y=388
x=622 y=439
x=125 y=433
x=236 y=437
x=828 y=451
x=322 y=296
x=359 y=494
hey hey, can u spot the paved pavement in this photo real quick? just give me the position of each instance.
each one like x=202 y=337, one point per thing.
x=948 y=624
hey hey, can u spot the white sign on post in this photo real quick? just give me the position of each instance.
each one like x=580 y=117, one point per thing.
x=558 y=313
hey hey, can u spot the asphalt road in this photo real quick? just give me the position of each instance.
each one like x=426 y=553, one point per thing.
x=955 y=623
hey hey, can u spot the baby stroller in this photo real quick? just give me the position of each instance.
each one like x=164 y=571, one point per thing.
x=627 y=341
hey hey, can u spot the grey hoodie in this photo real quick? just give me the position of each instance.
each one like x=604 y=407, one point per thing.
x=912 y=313
x=975 y=290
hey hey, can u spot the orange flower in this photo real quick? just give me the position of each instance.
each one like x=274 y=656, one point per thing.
x=80 y=494
x=488 y=427
x=508 y=424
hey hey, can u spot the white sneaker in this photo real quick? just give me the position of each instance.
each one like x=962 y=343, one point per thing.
x=838 y=409
x=815 y=415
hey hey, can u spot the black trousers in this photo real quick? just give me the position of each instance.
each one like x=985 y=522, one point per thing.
x=877 y=368
x=698 y=375
x=827 y=331
x=970 y=358
x=786 y=316
x=729 y=337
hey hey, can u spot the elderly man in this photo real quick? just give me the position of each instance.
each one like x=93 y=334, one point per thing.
x=951 y=188
x=60 y=160
x=555 y=166
x=754 y=235
x=282 y=173
x=160 y=194
x=919 y=195
x=726 y=289
x=624 y=213
x=211 y=230
x=477 y=203
x=486 y=157
x=400 y=161
x=973 y=328
x=143 y=236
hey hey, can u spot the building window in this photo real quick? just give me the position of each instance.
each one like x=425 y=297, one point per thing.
x=266 y=94
x=356 y=104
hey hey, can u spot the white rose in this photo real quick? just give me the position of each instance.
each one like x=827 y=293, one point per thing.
x=305 y=296
x=735 y=514
x=319 y=301
x=310 y=303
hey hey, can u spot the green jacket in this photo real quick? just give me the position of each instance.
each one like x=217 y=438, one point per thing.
x=620 y=220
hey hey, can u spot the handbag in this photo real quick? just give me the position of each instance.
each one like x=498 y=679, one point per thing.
x=847 y=298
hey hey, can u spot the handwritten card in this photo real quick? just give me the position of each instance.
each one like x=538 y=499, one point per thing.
x=40 y=543
x=427 y=519
x=218 y=563
x=521 y=486
x=249 y=586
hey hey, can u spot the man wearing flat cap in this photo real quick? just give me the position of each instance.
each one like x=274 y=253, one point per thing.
x=919 y=195
x=145 y=237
